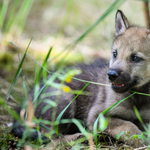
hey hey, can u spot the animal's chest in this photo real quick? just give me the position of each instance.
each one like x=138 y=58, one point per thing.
x=145 y=114
x=126 y=110
x=142 y=105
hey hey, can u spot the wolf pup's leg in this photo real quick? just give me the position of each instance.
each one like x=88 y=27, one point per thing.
x=117 y=125
x=18 y=130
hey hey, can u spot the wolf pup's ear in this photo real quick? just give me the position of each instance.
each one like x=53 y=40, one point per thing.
x=121 y=23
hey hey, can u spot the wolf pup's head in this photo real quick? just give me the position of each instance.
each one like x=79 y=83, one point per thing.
x=130 y=60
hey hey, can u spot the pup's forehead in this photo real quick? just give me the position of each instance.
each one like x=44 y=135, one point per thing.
x=135 y=38
x=137 y=32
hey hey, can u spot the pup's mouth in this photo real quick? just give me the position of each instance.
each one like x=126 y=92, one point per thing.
x=117 y=85
x=124 y=87
x=120 y=87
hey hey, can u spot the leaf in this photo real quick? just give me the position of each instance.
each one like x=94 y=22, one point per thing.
x=119 y=135
x=102 y=123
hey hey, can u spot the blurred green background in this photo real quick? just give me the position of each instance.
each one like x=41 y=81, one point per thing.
x=58 y=23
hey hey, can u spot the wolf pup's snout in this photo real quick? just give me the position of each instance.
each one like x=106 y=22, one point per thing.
x=113 y=75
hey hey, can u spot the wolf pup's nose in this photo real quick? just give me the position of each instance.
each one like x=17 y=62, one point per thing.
x=112 y=75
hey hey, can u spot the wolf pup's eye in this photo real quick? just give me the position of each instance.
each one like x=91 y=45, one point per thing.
x=114 y=54
x=136 y=58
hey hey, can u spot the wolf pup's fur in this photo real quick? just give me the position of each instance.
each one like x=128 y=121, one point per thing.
x=129 y=70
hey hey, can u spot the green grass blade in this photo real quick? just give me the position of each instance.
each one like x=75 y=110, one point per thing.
x=9 y=110
x=140 y=119
x=45 y=65
x=97 y=83
x=115 y=4
x=42 y=125
x=3 y=12
x=49 y=81
x=25 y=12
x=18 y=70
x=21 y=16
x=15 y=79
x=20 y=65
x=25 y=89
x=36 y=82
x=80 y=127
x=61 y=114
x=12 y=14
x=104 y=112
x=141 y=93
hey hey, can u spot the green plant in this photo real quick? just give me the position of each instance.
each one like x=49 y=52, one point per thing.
x=13 y=15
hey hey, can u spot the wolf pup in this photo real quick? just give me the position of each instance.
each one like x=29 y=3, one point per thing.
x=129 y=70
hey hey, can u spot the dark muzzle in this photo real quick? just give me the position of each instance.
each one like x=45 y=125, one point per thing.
x=113 y=74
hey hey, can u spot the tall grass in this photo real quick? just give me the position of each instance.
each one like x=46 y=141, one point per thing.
x=13 y=15
x=18 y=71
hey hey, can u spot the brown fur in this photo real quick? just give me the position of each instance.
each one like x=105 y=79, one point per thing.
x=128 y=71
